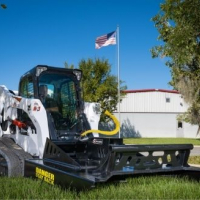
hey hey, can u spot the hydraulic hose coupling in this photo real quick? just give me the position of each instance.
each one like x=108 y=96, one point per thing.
x=113 y=132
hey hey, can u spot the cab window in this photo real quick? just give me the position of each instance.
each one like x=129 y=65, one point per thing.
x=26 y=87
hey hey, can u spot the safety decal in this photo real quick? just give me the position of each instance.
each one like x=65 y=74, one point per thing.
x=97 y=141
x=128 y=169
x=44 y=175
x=36 y=107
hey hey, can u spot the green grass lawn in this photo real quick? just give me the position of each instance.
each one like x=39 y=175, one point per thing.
x=162 y=141
x=194 y=160
x=135 y=188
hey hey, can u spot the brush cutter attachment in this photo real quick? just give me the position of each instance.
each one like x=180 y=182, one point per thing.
x=83 y=164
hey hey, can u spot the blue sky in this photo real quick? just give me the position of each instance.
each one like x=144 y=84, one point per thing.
x=52 y=32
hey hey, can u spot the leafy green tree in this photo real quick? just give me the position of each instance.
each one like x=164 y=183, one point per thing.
x=178 y=24
x=68 y=66
x=98 y=84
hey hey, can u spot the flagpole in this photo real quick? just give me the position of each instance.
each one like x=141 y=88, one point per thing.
x=118 y=78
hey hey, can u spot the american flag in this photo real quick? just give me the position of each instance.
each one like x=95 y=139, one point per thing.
x=105 y=40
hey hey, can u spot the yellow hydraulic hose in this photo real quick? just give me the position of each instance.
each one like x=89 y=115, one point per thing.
x=113 y=132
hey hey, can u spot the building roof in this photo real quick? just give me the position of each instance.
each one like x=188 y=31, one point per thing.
x=152 y=90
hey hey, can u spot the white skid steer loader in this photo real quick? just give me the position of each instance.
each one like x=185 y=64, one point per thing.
x=45 y=134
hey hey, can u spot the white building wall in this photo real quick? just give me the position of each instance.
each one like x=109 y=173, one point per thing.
x=190 y=131
x=153 y=101
x=154 y=125
x=148 y=114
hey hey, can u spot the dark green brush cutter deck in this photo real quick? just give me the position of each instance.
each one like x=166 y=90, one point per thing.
x=83 y=164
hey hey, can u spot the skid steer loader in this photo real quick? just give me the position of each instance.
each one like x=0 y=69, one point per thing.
x=45 y=134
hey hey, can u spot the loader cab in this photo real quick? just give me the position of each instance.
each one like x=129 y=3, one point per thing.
x=59 y=91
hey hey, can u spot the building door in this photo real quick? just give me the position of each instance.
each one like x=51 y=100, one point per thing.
x=179 y=130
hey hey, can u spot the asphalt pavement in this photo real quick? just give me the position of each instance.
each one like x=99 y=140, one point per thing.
x=195 y=151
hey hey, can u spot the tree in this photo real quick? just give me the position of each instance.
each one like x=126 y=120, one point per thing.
x=99 y=85
x=68 y=66
x=178 y=24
